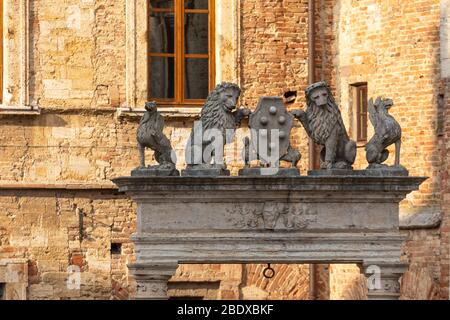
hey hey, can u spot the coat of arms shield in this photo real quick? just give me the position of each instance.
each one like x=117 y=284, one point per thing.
x=270 y=126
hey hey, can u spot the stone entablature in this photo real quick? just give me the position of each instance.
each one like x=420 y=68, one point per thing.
x=266 y=220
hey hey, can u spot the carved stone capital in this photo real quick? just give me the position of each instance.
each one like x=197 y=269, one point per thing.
x=383 y=279
x=152 y=280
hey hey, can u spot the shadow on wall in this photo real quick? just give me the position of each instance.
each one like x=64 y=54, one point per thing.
x=48 y=120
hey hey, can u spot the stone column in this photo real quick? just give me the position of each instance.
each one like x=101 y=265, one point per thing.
x=151 y=280
x=383 y=279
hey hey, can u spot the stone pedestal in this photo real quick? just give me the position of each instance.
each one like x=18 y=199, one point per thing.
x=278 y=172
x=316 y=219
x=205 y=172
x=154 y=172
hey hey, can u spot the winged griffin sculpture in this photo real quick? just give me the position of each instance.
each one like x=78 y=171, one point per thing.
x=387 y=132
x=150 y=135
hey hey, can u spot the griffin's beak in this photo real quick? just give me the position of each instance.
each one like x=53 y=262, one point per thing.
x=389 y=104
x=149 y=107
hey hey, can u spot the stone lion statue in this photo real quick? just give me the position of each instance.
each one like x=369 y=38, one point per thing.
x=218 y=121
x=323 y=123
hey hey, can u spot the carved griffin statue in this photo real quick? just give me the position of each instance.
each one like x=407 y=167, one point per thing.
x=150 y=135
x=387 y=132
x=218 y=121
x=323 y=123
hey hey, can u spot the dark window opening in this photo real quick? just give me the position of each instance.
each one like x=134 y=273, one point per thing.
x=2 y=291
x=290 y=96
x=116 y=248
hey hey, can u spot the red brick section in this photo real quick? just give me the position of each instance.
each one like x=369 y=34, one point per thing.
x=33 y=272
x=445 y=226
x=290 y=282
x=274 y=46
x=422 y=251
x=325 y=40
x=77 y=259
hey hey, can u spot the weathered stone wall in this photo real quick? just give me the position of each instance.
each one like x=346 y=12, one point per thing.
x=78 y=56
x=74 y=146
x=44 y=227
x=77 y=78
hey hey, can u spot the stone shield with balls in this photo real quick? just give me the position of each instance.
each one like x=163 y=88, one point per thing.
x=270 y=126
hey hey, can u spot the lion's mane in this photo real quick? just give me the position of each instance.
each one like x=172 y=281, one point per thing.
x=214 y=114
x=322 y=120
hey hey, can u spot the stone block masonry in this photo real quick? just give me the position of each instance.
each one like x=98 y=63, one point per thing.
x=44 y=227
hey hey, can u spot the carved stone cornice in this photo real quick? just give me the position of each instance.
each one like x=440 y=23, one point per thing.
x=236 y=189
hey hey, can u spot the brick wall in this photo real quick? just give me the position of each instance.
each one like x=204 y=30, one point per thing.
x=395 y=47
x=274 y=55
x=347 y=283
x=422 y=250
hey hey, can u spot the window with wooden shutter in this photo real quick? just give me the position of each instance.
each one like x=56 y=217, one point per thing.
x=360 y=107
x=181 y=51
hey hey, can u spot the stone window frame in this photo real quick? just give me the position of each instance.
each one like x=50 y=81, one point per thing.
x=16 y=59
x=14 y=276
x=180 y=55
x=1 y=62
x=227 y=52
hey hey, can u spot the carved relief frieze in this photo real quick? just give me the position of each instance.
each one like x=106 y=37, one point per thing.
x=272 y=215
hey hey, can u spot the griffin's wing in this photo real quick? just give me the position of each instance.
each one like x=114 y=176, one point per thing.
x=373 y=113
